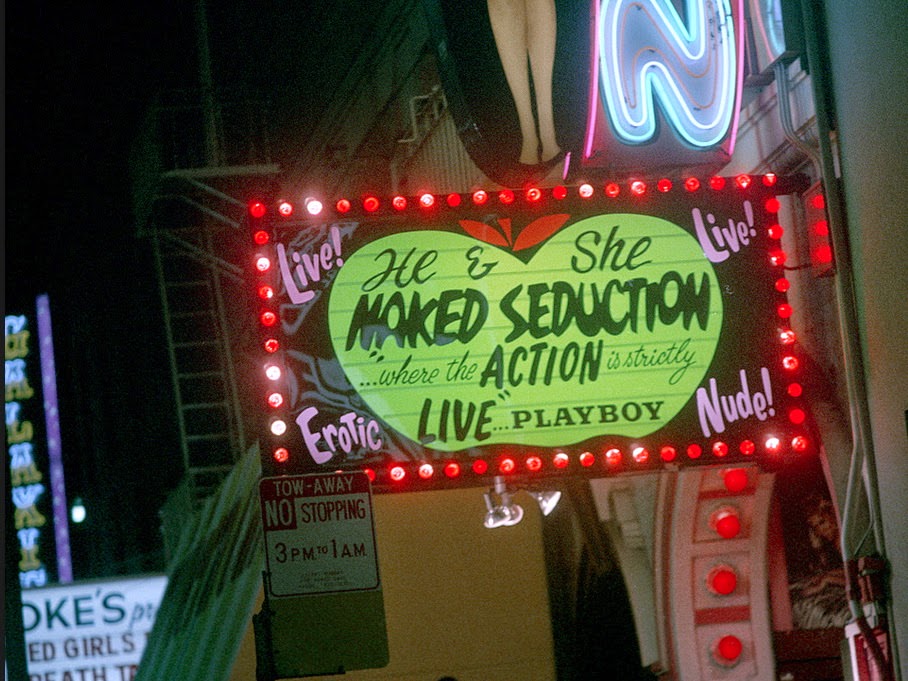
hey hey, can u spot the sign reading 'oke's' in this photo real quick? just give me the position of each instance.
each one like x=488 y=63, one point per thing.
x=649 y=326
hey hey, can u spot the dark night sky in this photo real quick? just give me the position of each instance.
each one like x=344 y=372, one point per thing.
x=79 y=78
x=77 y=82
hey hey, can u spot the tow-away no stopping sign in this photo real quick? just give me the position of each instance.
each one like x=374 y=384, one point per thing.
x=319 y=533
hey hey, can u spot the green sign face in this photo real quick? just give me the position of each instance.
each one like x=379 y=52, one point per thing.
x=608 y=328
x=647 y=326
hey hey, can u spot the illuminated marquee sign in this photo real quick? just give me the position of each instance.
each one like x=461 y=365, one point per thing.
x=434 y=340
x=615 y=85
x=33 y=447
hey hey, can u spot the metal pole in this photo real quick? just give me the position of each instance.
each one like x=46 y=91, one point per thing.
x=206 y=82
x=264 y=646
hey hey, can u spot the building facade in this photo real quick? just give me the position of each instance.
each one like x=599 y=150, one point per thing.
x=630 y=576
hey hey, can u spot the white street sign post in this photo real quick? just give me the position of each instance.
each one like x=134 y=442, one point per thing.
x=319 y=533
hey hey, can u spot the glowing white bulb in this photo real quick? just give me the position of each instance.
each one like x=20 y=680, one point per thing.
x=77 y=512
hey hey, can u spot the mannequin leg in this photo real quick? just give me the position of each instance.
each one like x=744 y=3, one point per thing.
x=542 y=34
x=509 y=25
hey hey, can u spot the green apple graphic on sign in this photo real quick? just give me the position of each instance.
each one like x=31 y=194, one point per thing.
x=454 y=342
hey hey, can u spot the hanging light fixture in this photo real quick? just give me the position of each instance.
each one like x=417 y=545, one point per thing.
x=501 y=511
x=547 y=500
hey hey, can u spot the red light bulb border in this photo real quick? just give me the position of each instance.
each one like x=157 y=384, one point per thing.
x=373 y=204
x=602 y=461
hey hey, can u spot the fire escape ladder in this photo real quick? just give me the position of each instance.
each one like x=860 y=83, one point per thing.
x=204 y=387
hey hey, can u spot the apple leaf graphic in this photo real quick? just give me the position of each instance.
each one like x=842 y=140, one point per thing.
x=539 y=230
x=536 y=232
x=483 y=232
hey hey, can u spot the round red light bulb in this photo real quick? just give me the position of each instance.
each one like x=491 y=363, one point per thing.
x=735 y=479
x=728 y=649
x=790 y=363
x=823 y=254
x=722 y=580
x=716 y=182
x=743 y=181
x=726 y=522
